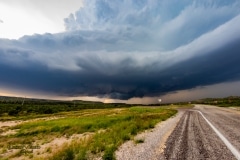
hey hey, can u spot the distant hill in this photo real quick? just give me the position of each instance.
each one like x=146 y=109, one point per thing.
x=222 y=102
x=23 y=106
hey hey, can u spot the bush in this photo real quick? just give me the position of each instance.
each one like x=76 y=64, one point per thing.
x=109 y=154
x=13 y=112
x=48 y=111
x=69 y=154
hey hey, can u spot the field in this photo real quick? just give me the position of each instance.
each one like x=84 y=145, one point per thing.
x=79 y=133
x=232 y=101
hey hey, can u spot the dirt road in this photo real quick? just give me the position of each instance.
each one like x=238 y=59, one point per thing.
x=194 y=138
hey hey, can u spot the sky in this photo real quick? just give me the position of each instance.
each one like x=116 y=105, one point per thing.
x=120 y=50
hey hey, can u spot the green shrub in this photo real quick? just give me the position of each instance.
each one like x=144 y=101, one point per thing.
x=139 y=141
x=109 y=154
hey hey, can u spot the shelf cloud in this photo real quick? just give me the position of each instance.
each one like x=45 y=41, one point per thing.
x=123 y=49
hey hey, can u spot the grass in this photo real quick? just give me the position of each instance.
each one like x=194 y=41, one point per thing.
x=139 y=141
x=110 y=128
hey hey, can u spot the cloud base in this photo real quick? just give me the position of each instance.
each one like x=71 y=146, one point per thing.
x=124 y=49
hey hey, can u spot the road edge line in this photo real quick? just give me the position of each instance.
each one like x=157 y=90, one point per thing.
x=234 y=151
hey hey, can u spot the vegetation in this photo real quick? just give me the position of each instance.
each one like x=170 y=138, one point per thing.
x=221 y=102
x=20 y=107
x=102 y=130
x=116 y=129
x=139 y=141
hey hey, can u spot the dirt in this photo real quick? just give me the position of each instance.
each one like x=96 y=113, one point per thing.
x=9 y=124
x=5 y=127
x=44 y=150
x=56 y=144
x=153 y=142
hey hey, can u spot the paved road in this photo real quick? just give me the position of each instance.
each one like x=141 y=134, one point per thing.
x=196 y=135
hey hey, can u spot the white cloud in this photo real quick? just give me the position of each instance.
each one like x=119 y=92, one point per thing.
x=204 y=44
x=66 y=51
x=157 y=21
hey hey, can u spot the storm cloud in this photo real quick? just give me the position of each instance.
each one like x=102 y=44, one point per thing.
x=124 y=49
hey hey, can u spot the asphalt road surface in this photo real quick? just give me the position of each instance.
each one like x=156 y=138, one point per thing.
x=205 y=132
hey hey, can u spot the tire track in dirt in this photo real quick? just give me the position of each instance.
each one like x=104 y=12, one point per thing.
x=178 y=144
x=193 y=138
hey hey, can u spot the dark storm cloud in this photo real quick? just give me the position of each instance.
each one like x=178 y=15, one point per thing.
x=110 y=52
x=130 y=82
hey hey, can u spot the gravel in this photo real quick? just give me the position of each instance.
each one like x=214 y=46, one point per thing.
x=194 y=139
x=153 y=142
x=187 y=136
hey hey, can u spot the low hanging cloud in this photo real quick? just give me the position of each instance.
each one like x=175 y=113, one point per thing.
x=124 y=49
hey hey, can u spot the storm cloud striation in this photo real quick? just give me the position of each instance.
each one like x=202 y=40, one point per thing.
x=124 y=48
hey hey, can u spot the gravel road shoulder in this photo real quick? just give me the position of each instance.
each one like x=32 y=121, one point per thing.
x=153 y=141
